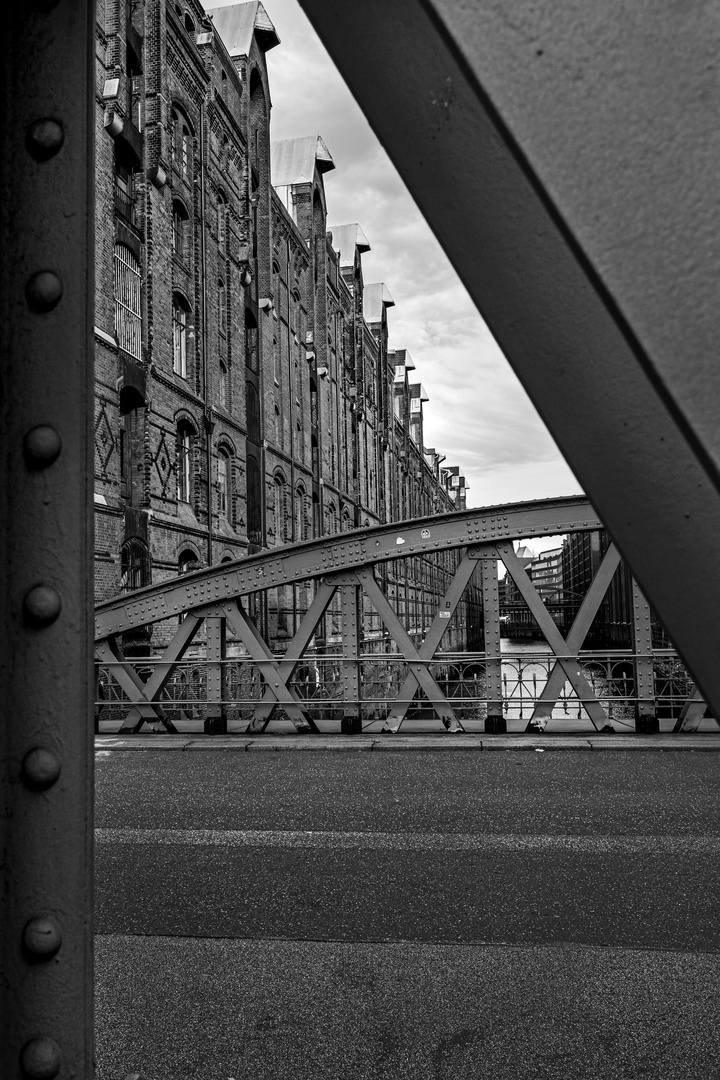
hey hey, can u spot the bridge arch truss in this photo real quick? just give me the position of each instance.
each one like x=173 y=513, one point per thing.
x=360 y=679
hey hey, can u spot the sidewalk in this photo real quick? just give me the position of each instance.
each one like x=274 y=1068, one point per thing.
x=395 y=743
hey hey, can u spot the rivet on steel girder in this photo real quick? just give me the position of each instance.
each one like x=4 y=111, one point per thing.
x=42 y=446
x=44 y=138
x=43 y=291
x=40 y=768
x=41 y=606
x=41 y=937
x=41 y=1059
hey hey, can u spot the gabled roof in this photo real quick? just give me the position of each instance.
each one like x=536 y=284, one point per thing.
x=293 y=161
x=345 y=238
x=237 y=23
x=375 y=299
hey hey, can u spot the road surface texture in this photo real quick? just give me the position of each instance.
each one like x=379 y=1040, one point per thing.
x=407 y=914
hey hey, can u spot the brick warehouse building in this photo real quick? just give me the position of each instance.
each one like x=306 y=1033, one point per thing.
x=245 y=393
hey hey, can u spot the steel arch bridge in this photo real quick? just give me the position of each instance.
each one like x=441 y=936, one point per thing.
x=345 y=570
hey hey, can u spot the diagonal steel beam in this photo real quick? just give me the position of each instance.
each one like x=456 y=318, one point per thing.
x=243 y=626
x=554 y=638
x=432 y=638
x=286 y=666
x=578 y=632
x=581 y=210
x=419 y=668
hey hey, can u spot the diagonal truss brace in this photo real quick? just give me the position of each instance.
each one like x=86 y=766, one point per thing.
x=144 y=694
x=418 y=670
x=554 y=638
x=284 y=669
x=432 y=640
x=578 y=632
x=242 y=625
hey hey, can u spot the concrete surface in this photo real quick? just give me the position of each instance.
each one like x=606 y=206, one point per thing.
x=407 y=915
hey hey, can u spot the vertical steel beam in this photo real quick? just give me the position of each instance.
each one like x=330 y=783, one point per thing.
x=216 y=639
x=646 y=719
x=46 y=735
x=495 y=722
x=350 y=610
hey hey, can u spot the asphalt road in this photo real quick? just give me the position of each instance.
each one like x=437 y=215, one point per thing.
x=407 y=914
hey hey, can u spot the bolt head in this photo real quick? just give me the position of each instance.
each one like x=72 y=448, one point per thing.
x=44 y=139
x=40 y=1059
x=42 y=937
x=42 y=446
x=43 y=291
x=40 y=768
x=41 y=606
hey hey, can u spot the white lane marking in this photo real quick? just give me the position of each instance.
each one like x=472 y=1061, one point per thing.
x=492 y=843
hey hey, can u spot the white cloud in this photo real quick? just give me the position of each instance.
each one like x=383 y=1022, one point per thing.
x=478 y=415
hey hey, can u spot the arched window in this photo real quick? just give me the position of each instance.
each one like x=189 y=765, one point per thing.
x=128 y=316
x=276 y=361
x=224 y=483
x=184 y=461
x=330 y=519
x=180 y=231
x=134 y=565
x=187 y=561
x=251 y=341
x=180 y=326
x=253 y=414
x=222 y=221
x=278 y=426
x=189 y=24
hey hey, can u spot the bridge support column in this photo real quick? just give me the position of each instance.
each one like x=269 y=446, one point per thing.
x=646 y=720
x=495 y=722
x=351 y=601
x=216 y=719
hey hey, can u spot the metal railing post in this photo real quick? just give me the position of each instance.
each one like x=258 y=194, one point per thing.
x=216 y=718
x=495 y=722
x=646 y=720
x=46 y=374
x=350 y=605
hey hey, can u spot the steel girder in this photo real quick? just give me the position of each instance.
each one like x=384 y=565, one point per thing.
x=566 y=158
x=46 y=380
x=346 y=565
x=345 y=551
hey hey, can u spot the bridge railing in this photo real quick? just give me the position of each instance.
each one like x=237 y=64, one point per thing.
x=190 y=696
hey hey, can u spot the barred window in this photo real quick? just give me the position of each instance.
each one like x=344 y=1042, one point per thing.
x=223 y=467
x=128 y=317
x=184 y=461
x=134 y=565
x=180 y=232
x=221 y=223
x=180 y=321
x=222 y=308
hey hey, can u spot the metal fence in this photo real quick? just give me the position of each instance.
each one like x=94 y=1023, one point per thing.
x=317 y=682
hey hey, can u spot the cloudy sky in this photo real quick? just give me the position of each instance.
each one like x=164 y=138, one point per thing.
x=478 y=414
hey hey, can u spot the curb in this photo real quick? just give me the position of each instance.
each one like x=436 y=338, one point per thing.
x=404 y=743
